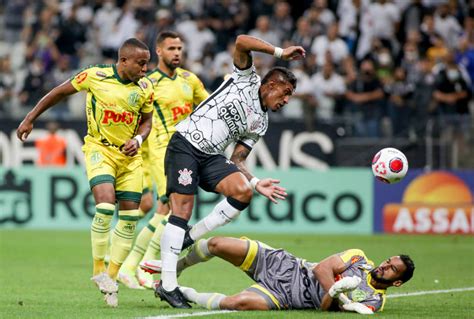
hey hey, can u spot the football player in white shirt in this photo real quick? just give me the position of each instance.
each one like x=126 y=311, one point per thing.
x=235 y=112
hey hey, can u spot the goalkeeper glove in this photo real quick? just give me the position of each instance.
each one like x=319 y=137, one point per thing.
x=357 y=307
x=343 y=285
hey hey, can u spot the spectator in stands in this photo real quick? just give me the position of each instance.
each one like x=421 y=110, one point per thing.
x=452 y=94
x=281 y=20
x=303 y=34
x=447 y=26
x=328 y=90
x=422 y=97
x=438 y=51
x=7 y=84
x=331 y=44
x=71 y=37
x=264 y=30
x=324 y=14
x=163 y=21
x=104 y=24
x=411 y=19
x=350 y=13
x=409 y=60
x=365 y=95
x=399 y=98
x=33 y=85
x=465 y=58
x=14 y=19
x=51 y=148
x=427 y=33
x=197 y=36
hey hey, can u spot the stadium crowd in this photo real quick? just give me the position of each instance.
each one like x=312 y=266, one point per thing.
x=379 y=67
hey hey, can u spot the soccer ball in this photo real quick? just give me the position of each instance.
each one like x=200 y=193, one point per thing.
x=390 y=165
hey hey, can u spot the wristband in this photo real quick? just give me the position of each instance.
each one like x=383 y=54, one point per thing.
x=139 y=138
x=278 y=52
x=254 y=182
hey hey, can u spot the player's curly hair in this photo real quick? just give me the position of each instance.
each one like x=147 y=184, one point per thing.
x=280 y=74
x=408 y=273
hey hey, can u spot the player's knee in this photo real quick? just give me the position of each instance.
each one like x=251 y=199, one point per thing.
x=243 y=193
x=214 y=245
x=146 y=204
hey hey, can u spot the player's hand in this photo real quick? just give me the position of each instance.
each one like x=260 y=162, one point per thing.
x=343 y=285
x=293 y=53
x=130 y=148
x=273 y=192
x=357 y=307
x=24 y=129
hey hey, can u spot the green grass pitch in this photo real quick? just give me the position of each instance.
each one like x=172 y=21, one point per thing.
x=45 y=274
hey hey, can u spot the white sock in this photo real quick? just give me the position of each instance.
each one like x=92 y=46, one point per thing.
x=222 y=214
x=171 y=243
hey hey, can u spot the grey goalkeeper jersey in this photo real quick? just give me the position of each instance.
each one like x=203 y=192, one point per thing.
x=232 y=113
x=291 y=281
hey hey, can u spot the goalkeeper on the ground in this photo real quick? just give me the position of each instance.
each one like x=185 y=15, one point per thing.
x=346 y=281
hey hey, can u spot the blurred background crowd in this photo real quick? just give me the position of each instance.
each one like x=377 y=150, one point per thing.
x=375 y=68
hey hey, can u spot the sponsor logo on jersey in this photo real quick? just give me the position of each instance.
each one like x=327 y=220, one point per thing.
x=232 y=118
x=143 y=84
x=186 y=74
x=181 y=110
x=133 y=98
x=101 y=74
x=185 y=177
x=81 y=77
x=113 y=117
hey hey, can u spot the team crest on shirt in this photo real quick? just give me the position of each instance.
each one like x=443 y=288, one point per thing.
x=358 y=295
x=185 y=177
x=133 y=98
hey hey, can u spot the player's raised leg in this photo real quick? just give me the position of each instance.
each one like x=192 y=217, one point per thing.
x=238 y=192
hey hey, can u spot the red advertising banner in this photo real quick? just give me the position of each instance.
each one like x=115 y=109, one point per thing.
x=439 y=202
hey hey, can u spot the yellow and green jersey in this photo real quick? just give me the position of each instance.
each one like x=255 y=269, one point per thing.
x=175 y=99
x=113 y=105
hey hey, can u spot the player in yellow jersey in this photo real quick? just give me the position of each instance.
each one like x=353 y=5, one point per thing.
x=119 y=110
x=177 y=92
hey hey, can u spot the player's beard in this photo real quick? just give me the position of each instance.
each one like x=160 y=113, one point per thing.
x=170 y=65
x=380 y=280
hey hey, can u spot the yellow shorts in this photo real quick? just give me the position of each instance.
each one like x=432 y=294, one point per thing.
x=105 y=164
x=157 y=159
x=147 y=179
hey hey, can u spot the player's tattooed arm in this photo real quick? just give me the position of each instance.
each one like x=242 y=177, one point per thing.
x=239 y=156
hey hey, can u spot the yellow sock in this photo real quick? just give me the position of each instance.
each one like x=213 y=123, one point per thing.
x=122 y=240
x=141 y=243
x=100 y=235
x=141 y=213
x=154 y=247
x=113 y=270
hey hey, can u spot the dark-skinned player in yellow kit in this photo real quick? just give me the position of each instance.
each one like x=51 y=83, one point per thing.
x=119 y=107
